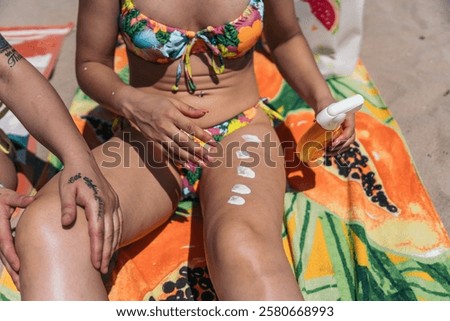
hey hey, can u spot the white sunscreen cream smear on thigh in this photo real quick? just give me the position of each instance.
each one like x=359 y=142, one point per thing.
x=251 y=138
x=236 y=200
x=245 y=172
x=241 y=189
x=242 y=154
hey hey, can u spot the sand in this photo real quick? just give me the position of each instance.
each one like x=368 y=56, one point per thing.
x=406 y=48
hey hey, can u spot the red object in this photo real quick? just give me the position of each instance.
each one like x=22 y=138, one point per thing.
x=40 y=45
x=325 y=12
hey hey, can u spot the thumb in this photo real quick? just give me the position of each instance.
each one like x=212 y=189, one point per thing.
x=17 y=200
x=68 y=205
x=190 y=111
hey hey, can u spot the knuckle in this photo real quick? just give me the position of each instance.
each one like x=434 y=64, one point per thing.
x=189 y=128
x=169 y=113
x=68 y=206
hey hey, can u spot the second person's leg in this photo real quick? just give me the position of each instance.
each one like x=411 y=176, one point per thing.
x=55 y=261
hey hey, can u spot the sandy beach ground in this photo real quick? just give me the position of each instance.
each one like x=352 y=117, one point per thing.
x=406 y=48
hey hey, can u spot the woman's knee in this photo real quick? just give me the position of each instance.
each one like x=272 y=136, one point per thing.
x=230 y=239
x=55 y=262
x=35 y=225
x=39 y=229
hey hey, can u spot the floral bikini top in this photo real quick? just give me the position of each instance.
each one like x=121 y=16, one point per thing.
x=156 y=42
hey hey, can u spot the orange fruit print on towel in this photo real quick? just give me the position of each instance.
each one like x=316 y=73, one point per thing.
x=327 y=12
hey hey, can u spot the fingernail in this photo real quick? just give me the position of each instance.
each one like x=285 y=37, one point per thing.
x=65 y=217
x=190 y=166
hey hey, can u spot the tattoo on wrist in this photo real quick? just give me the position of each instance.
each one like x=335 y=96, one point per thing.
x=94 y=188
x=11 y=53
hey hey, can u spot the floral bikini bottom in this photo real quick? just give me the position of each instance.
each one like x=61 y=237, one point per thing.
x=191 y=176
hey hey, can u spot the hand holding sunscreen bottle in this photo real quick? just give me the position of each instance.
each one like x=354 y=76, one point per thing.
x=327 y=125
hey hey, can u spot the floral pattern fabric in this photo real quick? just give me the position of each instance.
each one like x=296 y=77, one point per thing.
x=191 y=176
x=156 y=42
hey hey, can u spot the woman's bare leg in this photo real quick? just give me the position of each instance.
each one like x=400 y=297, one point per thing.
x=55 y=262
x=244 y=247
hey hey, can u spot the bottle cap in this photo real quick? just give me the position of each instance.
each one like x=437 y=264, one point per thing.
x=333 y=115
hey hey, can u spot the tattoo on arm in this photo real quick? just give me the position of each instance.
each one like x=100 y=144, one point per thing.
x=10 y=53
x=93 y=187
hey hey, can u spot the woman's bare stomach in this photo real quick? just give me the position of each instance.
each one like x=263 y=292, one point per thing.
x=224 y=95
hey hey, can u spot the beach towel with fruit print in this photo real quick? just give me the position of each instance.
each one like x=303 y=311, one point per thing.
x=360 y=226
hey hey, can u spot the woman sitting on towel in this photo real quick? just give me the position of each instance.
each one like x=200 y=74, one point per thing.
x=191 y=124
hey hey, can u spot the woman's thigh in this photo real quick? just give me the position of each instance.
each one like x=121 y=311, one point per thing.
x=147 y=187
x=246 y=184
x=242 y=200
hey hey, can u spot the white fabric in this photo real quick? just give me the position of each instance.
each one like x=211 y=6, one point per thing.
x=337 y=51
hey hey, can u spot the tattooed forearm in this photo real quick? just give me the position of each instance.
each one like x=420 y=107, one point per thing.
x=10 y=53
x=94 y=188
